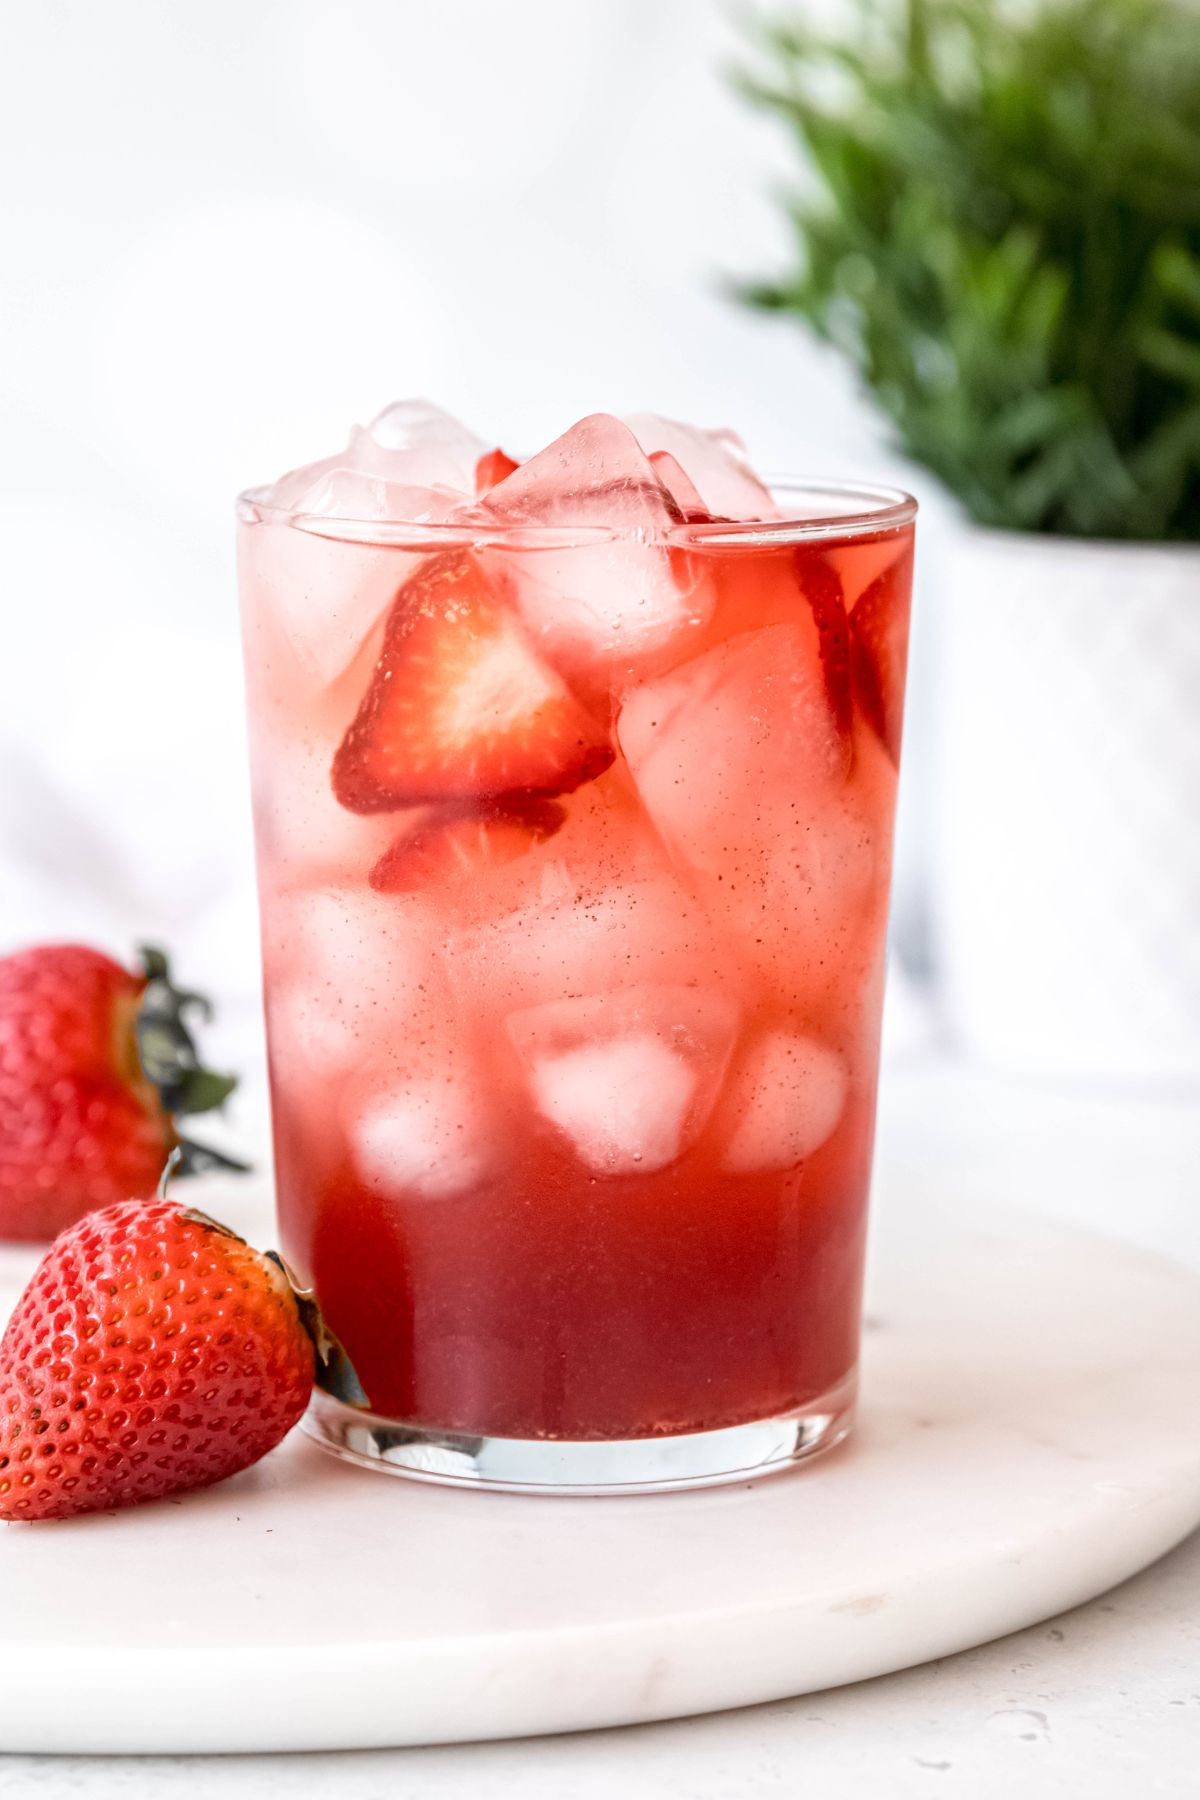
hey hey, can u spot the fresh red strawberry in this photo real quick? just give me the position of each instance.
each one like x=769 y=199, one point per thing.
x=879 y=649
x=822 y=587
x=94 y=1059
x=460 y=707
x=454 y=846
x=491 y=468
x=152 y=1351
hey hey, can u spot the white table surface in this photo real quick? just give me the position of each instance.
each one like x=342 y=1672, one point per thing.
x=1105 y=1701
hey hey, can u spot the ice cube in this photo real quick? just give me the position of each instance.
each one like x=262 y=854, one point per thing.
x=413 y=464
x=344 y=492
x=784 y=1102
x=428 y=1135
x=304 y=835
x=742 y=769
x=608 y=594
x=353 y=980
x=290 y=491
x=697 y=1023
x=414 y=442
x=622 y=1103
x=715 y=463
x=730 y=736
x=682 y=490
x=595 y=474
x=572 y=935
x=312 y=604
x=361 y=1016
x=630 y=1076
x=309 y=1032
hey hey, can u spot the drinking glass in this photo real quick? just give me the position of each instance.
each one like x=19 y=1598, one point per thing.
x=573 y=1081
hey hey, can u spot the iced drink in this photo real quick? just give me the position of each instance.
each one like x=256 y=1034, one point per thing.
x=574 y=788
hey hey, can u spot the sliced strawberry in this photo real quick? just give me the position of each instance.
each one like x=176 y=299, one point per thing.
x=491 y=468
x=460 y=707
x=879 y=650
x=822 y=588
x=456 y=846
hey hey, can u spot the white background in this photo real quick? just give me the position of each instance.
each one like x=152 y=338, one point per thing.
x=229 y=231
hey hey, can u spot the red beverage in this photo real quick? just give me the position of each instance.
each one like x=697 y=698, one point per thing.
x=574 y=810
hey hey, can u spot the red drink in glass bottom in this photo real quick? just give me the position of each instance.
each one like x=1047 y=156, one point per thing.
x=574 y=914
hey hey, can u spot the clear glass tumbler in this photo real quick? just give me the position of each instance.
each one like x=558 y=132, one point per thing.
x=574 y=1056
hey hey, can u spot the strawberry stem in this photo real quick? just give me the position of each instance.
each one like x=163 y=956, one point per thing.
x=202 y=1159
x=335 y=1371
x=170 y=1167
x=189 y=1158
x=165 y=1045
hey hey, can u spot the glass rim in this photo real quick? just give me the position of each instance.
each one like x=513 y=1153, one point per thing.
x=874 y=508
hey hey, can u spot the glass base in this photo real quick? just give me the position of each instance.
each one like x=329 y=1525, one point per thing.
x=588 y=1466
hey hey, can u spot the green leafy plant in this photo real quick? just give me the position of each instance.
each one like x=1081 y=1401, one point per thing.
x=999 y=224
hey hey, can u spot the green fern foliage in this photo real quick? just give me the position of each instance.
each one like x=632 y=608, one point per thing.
x=997 y=220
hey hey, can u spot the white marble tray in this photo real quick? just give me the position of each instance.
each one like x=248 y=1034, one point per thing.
x=1030 y=1435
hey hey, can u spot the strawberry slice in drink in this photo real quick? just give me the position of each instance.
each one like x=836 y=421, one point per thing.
x=822 y=587
x=879 y=650
x=493 y=468
x=458 y=846
x=460 y=707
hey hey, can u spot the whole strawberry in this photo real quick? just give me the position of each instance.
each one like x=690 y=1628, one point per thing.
x=94 y=1061
x=152 y=1351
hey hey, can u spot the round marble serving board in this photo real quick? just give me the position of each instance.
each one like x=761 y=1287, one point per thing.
x=1029 y=1435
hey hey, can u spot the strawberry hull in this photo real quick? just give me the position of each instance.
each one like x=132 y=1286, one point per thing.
x=573 y=1077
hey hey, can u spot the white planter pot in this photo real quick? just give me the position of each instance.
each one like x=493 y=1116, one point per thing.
x=1066 y=839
